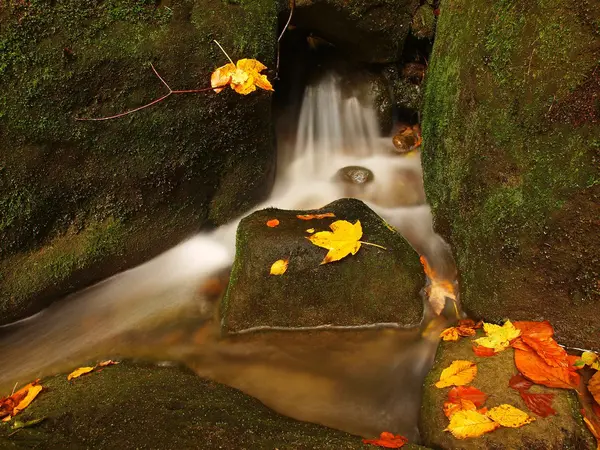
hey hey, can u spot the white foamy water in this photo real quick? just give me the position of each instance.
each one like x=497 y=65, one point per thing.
x=112 y=317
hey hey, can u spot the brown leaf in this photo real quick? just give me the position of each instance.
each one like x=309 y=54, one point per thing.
x=532 y=366
x=540 y=404
x=387 y=440
x=519 y=382
x=314 y=216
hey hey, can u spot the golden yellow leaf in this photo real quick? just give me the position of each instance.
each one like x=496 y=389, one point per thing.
x=279 y=267
x=244 y=77
x=589 y=359
x=498 y=337
x=31 y=394
x=509 y=416
x=450 y=334
x=78 y=372
x=310 y=230
x=459 y=373
x=467 y=423
x=341 y=241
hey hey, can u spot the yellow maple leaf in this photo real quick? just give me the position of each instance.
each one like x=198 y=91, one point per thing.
x=279 y=267
x=509 y=416
x=467 y=423
x=78 y=372
x=589 y=359
x=341 y=241
x=243 y=77
x=458 y=373
x=450 y=334
x=498 y=337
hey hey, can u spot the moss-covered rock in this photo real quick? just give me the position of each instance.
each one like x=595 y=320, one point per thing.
x=147 y=407
x=365 y=30
x=511 y=128
x=372 y=286
x=82 y=200
x=423 y=23
x=565 y=430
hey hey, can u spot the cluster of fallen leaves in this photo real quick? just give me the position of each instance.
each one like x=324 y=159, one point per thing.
x=387 y=440
x=539 y=360
x=341 y=241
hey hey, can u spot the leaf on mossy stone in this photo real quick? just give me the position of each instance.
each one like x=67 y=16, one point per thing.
x=310 y=230
x=78 y=372
x=509 y=416
x=341 y=241
x=533 y=367
x=469 y=424
x=108 y=362
x=468 y=393
x=387 y=440
x=450 y=334
x=272 y=223
x=18 y=401
x=593 y=424
x=461 y=404
x=498 y=337
x=519 y=382
x=540 y=404
x=594 y=387
x=483 y=352
x=465 y=328
x=30 y=423
x=315 y=216
x=243 y=77
x=279 y=267
x=32 y=393
x=459 y=373
x=588 y=359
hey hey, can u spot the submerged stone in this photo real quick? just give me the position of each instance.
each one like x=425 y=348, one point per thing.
x=563 y=430
x=355 y=175
x=372 y=286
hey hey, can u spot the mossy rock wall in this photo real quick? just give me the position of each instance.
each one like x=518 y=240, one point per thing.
x=375 y=285
x=511 y=131
x=82 y=200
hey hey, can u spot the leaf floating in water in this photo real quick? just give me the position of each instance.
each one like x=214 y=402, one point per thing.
x=458 y=373
x=78 y=372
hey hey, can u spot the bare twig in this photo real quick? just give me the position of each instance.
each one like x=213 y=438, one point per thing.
x=153 y=102
x=292 y=7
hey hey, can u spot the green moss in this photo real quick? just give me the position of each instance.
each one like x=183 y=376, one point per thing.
x=510 y=163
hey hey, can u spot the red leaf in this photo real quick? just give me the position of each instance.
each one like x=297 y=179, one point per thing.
x=532 y=366
x=467 y=393
x=540 y=404
x=518 y=382
x=387 y=440
x=480 y=350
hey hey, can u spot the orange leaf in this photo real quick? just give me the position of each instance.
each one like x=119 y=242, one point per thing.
x=518 y=343
x=108 y=362
x=549 y=350
x=272 y=223
x=468 y=393
x=594 y=387
x=450 y=334
x=10 y=406
x=461 y=404
x=314 y=216
x=387 y=440
x=593 y=424
x=482 y=351
x=538 y=330
x=532 y=366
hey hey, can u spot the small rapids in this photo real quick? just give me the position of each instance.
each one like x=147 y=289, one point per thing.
x=362 y=380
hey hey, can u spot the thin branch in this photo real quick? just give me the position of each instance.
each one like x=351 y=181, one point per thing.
x=293 y=6
x=223 y=50
x=153 y=102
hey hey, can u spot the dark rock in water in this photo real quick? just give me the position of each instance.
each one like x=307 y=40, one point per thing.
x=511 y=175
x=563 y=430
x=366 y=31
x=355 y=175
x=76 y=197
x=130 y=407
x=423 y=23
x=372 y=286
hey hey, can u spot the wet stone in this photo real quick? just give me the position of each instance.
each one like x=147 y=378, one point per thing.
x=372 y=286
x=355 y=175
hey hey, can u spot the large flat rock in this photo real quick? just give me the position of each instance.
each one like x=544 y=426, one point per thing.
x=372 y=286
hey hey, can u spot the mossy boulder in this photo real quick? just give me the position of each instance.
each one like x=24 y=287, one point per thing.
x=423 y=23
x=147 y=407
x=372 y=286
x=81 y=200
x=565 y=430
x=511 y=127
x=365 y=30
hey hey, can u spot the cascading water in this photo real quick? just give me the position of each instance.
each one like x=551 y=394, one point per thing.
x=362 y=381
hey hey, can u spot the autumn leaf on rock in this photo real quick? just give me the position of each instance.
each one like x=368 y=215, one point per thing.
x=482 y=351
x=458 y=373
x=469 y=424
x=465 y=328
x=18 y=401
x=509 y=416
x=588 y=359
x=243 y=77
x=387 y=440
x=343 y=240
x=461 y=404
x=272 y=223
x=108 y=362
x=310 y=230
x=532 y=366
x=450 y=334
x=314 y=216
x=468 y=393
x=78 y=372
x=593 y=424
x=518 y=382
x=594 y=387
x=540 y=404
x=279 y=267
x=498 y=337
